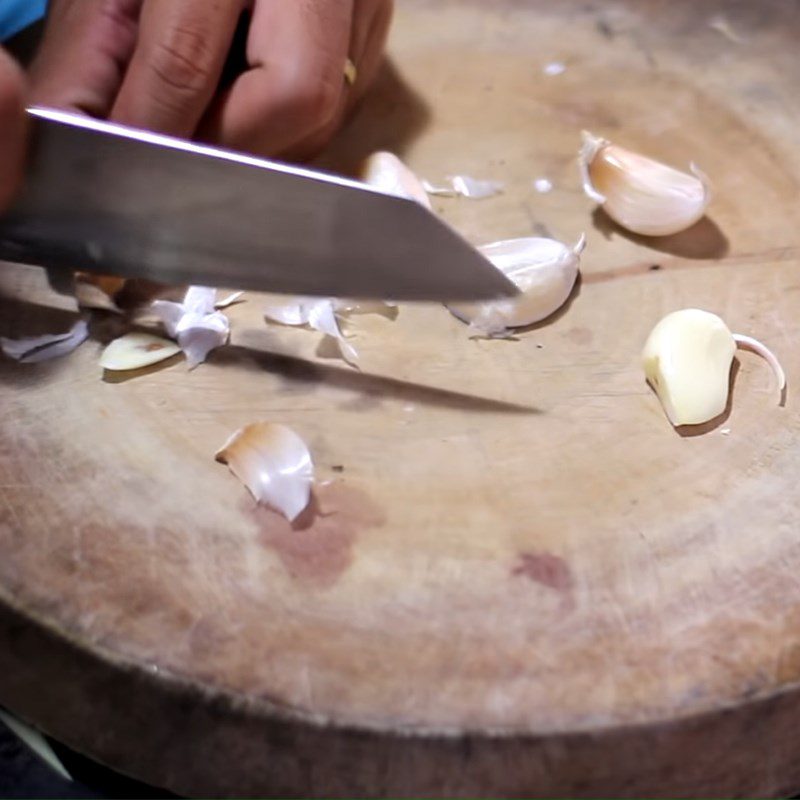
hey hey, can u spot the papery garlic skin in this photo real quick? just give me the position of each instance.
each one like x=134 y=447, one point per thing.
x=641 y=194
x=35 y=349
x=545 y=271
x=195 y=323
x=687 y=360
x=274 y=463
x=385 y=172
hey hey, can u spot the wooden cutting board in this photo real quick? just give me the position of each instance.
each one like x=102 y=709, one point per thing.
x=519 y=579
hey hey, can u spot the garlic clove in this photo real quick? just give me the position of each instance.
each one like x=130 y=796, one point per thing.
x=687 y=360
x=544 y=270
x=35 y=349
x=274 y=463
x=137 y=350
x=388 y=174
x=641 y=194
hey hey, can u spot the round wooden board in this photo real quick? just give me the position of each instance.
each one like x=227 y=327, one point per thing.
x=519 y=579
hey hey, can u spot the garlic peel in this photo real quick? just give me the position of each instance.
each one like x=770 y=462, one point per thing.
x=749 y=343
x=544 y=270
x=318 y=314
x=641 y=194
x=35 y=349
x=136 y=351
x=274 y=463
x=195 y=323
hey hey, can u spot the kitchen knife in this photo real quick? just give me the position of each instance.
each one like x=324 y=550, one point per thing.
x=105 y=198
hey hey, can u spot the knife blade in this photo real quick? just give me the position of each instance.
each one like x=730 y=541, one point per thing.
x=105 y=198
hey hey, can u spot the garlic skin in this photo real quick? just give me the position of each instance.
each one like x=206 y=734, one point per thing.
x=545 y=271
x=316 y=313
x=196 y=324
x=135 y=351
x=687 y=360
x=385 y=172
x=273 y=462
x=35 y=349
x=640 y=194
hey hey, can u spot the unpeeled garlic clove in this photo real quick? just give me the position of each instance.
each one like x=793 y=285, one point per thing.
x=273 y=462
x=642 y=195
x=544 y=270
x=137 y=350
x=388 y=174
x=687 y=360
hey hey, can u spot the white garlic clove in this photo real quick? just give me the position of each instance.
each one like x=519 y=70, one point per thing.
x=544 y=270
x=687 y=360
x=273 y=462
x=137 y=350
x=388 y=174
x=642 y=195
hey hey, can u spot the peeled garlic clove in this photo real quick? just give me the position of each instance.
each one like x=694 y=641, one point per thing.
x=137 y=350
x=388 y=174
x=687 y=360
x=273 y=462
x=642 y=195
x=544 y=270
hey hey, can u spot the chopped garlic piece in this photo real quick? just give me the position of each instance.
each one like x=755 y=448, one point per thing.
x=137 y=350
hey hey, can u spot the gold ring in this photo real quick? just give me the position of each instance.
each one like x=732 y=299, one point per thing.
x=350 y=72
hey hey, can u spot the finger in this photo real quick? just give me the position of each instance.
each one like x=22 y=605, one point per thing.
x=294 y=87
x=177 y=63
x=83 y=55
x=370 y=29
x=12 y=128
x=372 y=20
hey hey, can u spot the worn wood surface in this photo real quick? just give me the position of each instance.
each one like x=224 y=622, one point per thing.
x=519 y=579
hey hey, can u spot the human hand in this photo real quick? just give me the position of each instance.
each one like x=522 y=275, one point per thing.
x=12 y=128
x=157 y=65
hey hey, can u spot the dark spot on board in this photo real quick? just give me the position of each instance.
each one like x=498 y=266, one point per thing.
x=338 y=467
x=604 y=29
x=546 y=569
x=317 y=548
x=655 y=267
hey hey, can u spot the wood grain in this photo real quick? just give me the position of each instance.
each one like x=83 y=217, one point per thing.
x=520 y=580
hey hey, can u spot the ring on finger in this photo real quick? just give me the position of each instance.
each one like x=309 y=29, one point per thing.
x=350 y=72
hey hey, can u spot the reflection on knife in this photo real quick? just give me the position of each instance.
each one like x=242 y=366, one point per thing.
x=105 y=198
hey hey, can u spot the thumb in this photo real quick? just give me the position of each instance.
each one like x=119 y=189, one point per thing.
x=12 y=128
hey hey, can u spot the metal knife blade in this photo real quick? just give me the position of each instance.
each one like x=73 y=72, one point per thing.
x=105 y=198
